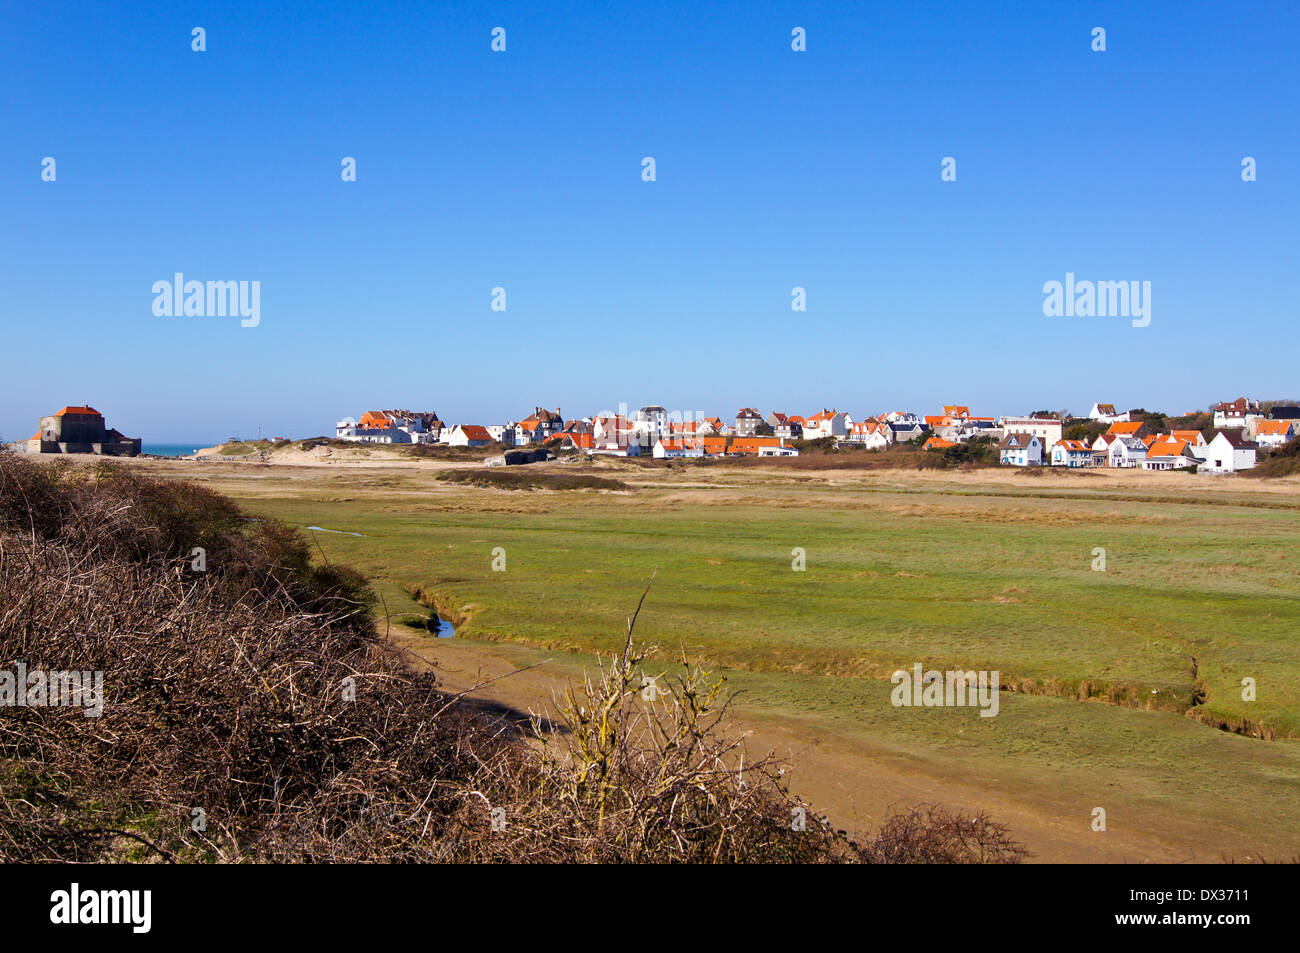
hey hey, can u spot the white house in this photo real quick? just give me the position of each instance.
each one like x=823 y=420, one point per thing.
x=1274 y=433
x=469 y=435
x=1162 y=456
x=1233 y=413
x=1228 y=452
x=538 y=425
x=1106 y=414
x=1126 y=452
x=871 y=434
x=503 y=434
x=1071 y=453
x=829 y=423
x=782 y=451
x=1020 y=450
x=668 y=448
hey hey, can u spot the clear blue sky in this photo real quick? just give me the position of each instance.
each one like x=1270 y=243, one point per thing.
x=523 y=170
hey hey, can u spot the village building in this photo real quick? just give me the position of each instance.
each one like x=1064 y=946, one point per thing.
x=469 y=435
x=1071 y=453
x=1126 y=452
x=1228 y=451
x=938 y=443
x=1020 y=450
x=1274 y=433
x=391 y=426
x=1106 y=414
x=503 y=434
x=537 y=426
x=904 y=430
x=747 y=422
x=81 y=430
x=829 y=423
x=1233 y=414
x=571 y=440
x=871 y=434
x=1046 y=429
x=667 y=448
x=753 y=445
x=1170 y=453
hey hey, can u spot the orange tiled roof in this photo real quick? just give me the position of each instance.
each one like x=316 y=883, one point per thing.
x=1278 y=428
x=475 y=432
x=1166 y=447
x=938 y=443
x=1124 y=428
x=79 y=410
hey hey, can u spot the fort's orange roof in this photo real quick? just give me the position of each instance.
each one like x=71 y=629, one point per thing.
x=79 y=410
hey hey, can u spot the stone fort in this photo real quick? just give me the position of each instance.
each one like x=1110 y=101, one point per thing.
x=80 y=430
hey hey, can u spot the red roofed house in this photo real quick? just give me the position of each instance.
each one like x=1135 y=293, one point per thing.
x=469 y=435
x=1071 y=453
x=571 y=440
x=667 y=448
x=1234 y=413
x=938 y=443
x=872 y=434
x=80 y=430
x=537 y=426
x=1274 y=433
x=829 y=423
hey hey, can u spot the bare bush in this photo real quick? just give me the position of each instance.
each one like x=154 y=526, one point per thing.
x=253 y=713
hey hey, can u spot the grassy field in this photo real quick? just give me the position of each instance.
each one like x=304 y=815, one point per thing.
x=954 y=570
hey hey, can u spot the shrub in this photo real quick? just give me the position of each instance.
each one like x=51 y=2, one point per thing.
x=252 y=713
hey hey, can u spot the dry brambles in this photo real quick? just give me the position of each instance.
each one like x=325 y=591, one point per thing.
x=254 y=713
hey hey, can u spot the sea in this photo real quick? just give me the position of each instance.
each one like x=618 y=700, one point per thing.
x=174 y=449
